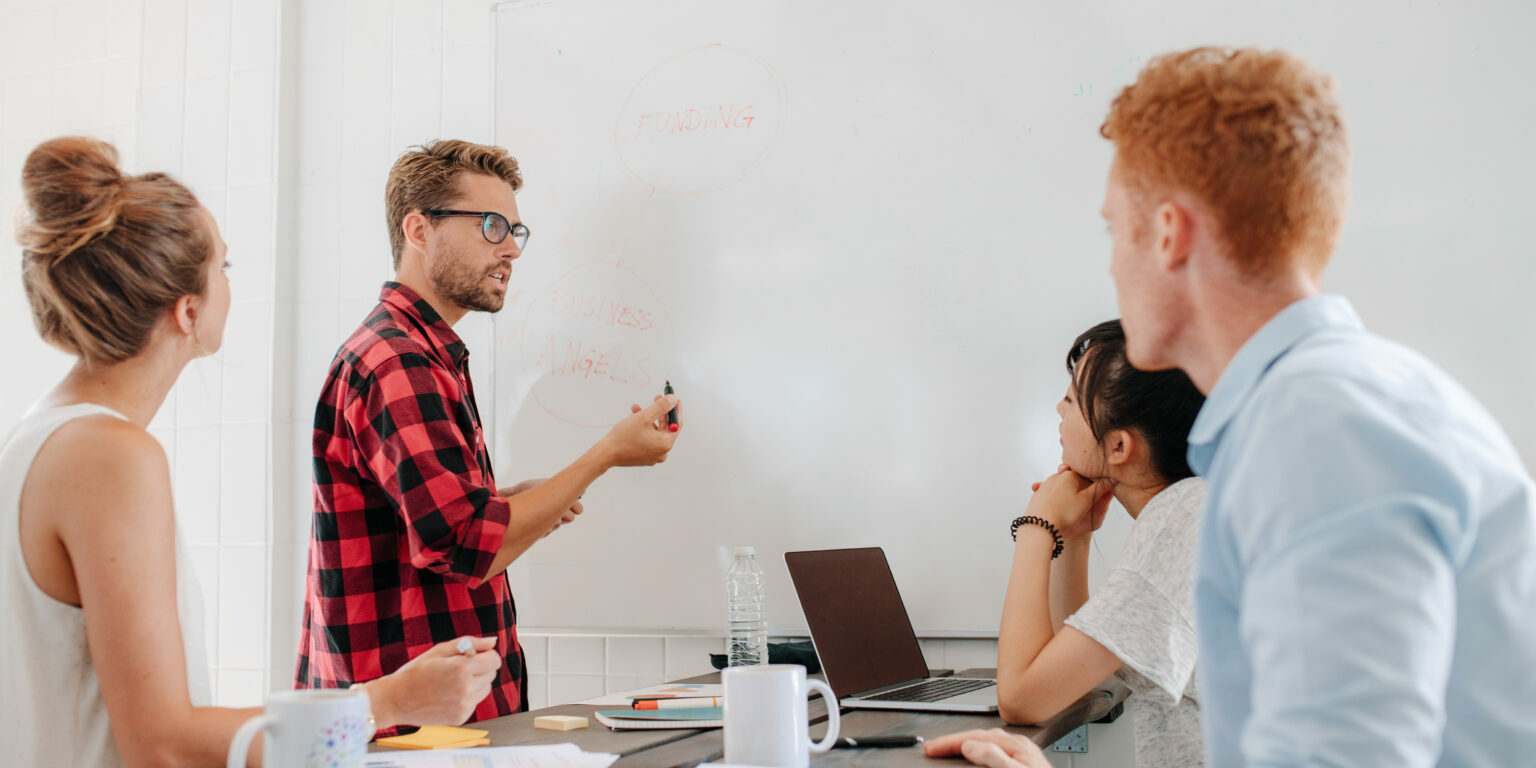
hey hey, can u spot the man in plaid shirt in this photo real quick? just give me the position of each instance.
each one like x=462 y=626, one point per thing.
x=411 y=536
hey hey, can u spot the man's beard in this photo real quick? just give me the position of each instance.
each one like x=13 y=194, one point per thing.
x=457 y=281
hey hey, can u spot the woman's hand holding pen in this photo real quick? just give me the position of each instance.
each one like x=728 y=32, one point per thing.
x=442 y=686
x=1073 y=503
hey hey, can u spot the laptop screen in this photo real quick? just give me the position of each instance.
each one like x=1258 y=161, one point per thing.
x=857 y=620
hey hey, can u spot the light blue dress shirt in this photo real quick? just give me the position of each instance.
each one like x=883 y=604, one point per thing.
x=1366 y=586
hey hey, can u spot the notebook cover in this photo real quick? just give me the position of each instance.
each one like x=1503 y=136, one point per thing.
x=657 y=719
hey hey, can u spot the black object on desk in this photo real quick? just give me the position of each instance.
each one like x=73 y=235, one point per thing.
x=802 y=653
x=877 y=742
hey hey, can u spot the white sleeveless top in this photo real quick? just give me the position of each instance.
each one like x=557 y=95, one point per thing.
x=51 y=712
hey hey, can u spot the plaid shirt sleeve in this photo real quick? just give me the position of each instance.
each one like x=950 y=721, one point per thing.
x=410 y=424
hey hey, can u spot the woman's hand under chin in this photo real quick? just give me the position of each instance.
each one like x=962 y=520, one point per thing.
x=1073 y=503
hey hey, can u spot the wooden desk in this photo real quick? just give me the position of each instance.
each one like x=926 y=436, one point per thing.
x=681 y=748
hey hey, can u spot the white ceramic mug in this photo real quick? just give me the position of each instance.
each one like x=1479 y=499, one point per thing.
x=765 y=718
x=320 y=728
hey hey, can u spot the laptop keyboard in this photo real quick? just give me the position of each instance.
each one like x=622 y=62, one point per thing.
x=932 y=690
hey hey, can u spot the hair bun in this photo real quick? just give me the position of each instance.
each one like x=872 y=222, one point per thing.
x=105 y=255
x=74 y=190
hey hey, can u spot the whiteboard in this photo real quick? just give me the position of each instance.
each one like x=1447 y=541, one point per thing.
x=858 y=237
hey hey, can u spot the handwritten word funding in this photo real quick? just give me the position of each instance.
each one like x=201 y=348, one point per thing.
x=714 y=117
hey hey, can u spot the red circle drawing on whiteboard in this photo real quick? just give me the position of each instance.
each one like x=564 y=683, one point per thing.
x=700 y=120
x=594 y=341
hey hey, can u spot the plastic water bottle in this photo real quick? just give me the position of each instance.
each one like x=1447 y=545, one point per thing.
x=748 y=614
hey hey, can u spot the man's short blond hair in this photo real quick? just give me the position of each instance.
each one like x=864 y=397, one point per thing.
x=427 y=177
x=1256 y=135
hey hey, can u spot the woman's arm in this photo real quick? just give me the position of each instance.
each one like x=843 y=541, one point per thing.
x=104 y=486
x=1041 y=670
x=1069 y=573
x=1069 y=579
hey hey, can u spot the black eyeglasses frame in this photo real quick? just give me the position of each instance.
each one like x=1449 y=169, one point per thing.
x=519 y=231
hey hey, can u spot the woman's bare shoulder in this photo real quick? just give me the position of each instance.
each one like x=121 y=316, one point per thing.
x=101 y=461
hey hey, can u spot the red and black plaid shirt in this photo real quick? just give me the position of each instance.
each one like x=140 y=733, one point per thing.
x=407 y=519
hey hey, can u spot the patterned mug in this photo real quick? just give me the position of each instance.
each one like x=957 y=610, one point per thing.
x=322 y=728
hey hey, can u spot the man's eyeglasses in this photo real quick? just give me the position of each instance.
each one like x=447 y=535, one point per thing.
x=493 y=226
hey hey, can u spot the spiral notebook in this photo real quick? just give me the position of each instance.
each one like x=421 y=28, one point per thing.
x=661 y=719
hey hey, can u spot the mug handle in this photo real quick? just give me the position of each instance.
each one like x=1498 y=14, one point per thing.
x=832 y=714
x=242 y=743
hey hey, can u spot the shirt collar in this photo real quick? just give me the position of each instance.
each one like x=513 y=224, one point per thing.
x=437 y=331
x=1294 y=323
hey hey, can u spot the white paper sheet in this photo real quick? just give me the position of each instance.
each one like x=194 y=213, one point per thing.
x=541 y=756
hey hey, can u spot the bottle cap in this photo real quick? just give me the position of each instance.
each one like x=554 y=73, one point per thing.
x=739 y=551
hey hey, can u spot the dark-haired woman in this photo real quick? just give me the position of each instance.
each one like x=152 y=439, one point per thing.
x=1123 y=437
x=102 y=661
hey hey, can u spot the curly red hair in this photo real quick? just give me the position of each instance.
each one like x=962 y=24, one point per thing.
x=1257 y=135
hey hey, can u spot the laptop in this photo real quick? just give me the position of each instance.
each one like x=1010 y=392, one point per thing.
x=864 y=638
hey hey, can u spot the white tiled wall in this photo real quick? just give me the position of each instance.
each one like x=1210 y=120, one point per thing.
x=566 y=667
x=207 y=112
x=65 y=68
x=186 y=87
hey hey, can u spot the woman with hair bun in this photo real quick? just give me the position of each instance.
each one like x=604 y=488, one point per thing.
x=103 y=661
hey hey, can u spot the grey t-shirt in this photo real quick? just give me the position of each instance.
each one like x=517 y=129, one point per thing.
x=1145 y=615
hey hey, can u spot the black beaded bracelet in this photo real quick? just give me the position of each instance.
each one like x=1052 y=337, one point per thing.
x=1013 y=530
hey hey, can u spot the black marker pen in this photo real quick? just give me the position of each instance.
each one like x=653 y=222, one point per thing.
x=673 y=422
x=877 y=742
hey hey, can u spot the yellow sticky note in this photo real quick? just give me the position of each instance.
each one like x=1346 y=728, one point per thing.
x=438 y=737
